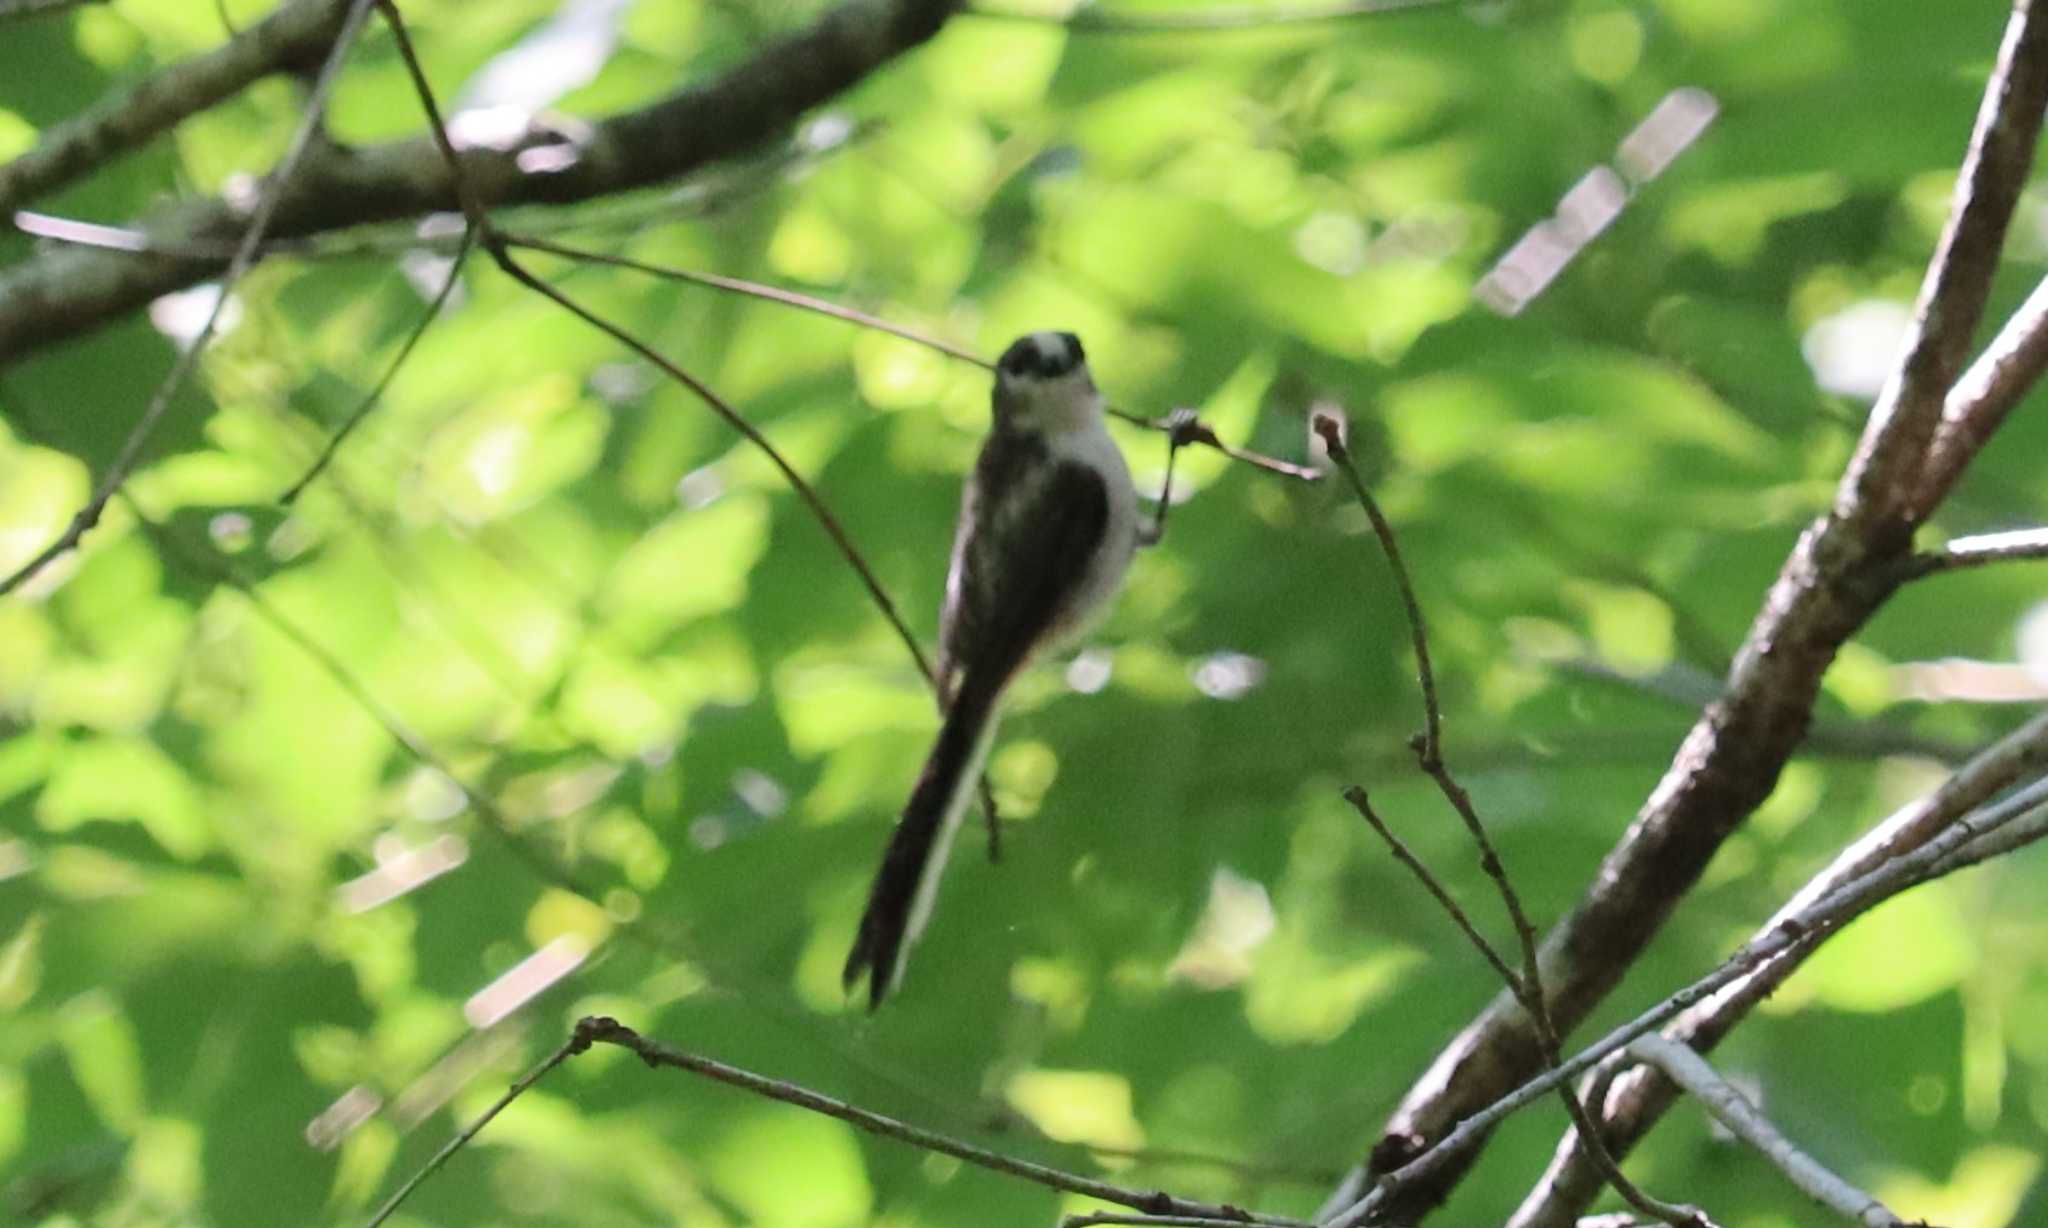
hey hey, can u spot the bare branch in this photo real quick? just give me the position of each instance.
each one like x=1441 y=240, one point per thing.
x=299 y=32
x=602 y=1030
x=1219 y=19
x=188 y=357
x=65 y=292
x=1639 y=1101
x=576 y=1044
x=1965 y=552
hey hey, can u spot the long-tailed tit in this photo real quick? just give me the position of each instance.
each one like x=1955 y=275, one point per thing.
x=1048 y=524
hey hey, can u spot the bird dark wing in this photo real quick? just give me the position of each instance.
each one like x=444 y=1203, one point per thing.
x=1029 y=530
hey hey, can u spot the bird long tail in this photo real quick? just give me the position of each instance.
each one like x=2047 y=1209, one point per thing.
x=905 y=887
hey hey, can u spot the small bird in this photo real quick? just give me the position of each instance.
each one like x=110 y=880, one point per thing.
x=1048 y=525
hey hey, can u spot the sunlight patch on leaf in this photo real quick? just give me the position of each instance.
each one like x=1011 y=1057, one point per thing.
x=1077 y=1106
x=1902 y=952
x=164 y=1164
x=105 y=1055
x=1984 y=1191
x=126 y=780
x=1299 y=994
x=1237 y=918
x=755 y=1159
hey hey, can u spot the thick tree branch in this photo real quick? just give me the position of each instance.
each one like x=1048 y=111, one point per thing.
x=1639 y=1099
x=69 y=291
x=1842 y=569
x=299 y=32
x=1791 y=939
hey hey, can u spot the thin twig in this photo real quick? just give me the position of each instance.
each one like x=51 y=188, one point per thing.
x=1217 y=20
x=1966 y=552
x=1174 y=426
x=1884 y=483
x=1149 y=1221
x=188 y=358
x=1399 y=848
x=751 y=289
x=1527 y=988
x=1728 y=1105
x=574 y=1045
x=603 y=1030
x=1331 y=430
x=499 y=246
x=376 y=394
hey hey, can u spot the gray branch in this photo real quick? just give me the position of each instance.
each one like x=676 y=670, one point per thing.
x=64 y=292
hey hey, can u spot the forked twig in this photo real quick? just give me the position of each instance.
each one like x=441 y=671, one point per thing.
x=1527 y=987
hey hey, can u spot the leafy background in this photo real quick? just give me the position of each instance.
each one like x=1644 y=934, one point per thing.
x=601 y=610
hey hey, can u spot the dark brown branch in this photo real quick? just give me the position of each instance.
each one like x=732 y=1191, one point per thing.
x=1219 y=19
x=259 y=222
x=1640 y=1101
x=1839 y=573
x=376 y=393
x=65 y=292
x=1791 y=938
x=18 y=10
x=299 y=32
x=601 y=1030
x=1884 y=481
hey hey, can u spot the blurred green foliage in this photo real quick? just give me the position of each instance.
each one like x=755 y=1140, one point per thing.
x=243 y=931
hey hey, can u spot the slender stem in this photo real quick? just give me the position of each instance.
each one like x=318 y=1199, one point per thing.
x=574 y=1045
x=372 y=398
x=603 y=1030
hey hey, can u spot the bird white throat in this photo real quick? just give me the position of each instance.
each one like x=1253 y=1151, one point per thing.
x=1048 y=524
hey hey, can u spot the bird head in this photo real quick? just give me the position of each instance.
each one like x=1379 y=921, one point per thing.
x=1042 y=383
